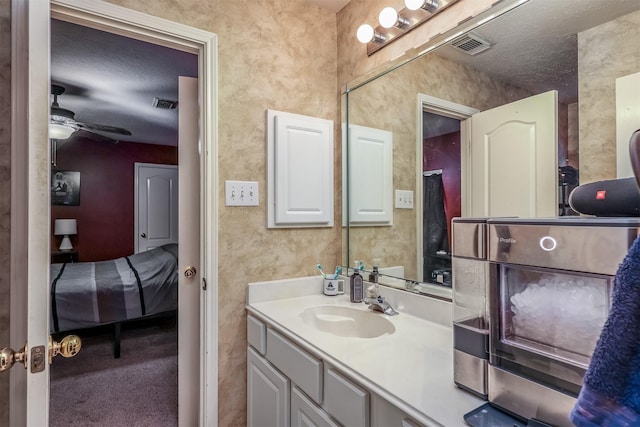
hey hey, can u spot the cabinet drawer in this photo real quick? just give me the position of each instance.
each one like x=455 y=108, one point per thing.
x=303 y=369
x=257 y=334
x=305 y=413
x=346 y=401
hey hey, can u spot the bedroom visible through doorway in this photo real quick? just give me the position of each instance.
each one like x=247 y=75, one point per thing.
x=141 y=386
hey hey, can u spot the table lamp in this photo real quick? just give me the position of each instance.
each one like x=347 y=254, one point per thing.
x=65 y=227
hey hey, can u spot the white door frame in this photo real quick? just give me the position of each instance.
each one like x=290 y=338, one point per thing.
x=442 y=107
x=30 y=226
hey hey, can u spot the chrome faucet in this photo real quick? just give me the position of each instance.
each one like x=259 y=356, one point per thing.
x=379 y=304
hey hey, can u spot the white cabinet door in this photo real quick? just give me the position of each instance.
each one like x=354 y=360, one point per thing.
x=268 y=394
x=514 y=159
x=304 y=413
x=370 y=157
x=300 y=170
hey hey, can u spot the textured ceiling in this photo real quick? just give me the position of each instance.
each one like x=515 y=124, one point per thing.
x=535 y=46
x=112 y=80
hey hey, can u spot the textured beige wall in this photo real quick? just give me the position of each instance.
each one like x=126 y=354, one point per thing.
x=605 y=53
x=390 y=103
x=5 y=191
x=276 y=54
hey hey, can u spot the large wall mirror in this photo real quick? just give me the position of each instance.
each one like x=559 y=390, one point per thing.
x=416 y=111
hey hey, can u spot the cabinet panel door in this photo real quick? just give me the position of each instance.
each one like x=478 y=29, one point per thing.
x=370 y=156
x=300 y=170
x=304 y=413
x=268 y=393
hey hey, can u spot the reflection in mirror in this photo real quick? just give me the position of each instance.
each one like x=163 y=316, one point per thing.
x=575 y=47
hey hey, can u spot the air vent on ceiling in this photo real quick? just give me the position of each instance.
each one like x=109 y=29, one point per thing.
x=164 y=104
x=471 y=44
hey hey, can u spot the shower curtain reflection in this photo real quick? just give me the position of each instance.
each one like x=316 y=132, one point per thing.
x=436 y=254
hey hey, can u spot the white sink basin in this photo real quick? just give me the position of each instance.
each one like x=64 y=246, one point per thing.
x=347 y=322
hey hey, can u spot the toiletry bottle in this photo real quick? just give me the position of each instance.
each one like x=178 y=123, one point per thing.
x=373 y=276
x=355 y=284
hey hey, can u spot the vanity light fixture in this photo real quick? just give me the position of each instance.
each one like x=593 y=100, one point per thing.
x=394 y=24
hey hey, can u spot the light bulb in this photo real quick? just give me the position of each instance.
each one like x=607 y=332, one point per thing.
x=365 y=33
x=388 y=17
x=428 y=5
x=413 y=4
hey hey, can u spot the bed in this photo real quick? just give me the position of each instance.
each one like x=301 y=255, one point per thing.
x=89 y=294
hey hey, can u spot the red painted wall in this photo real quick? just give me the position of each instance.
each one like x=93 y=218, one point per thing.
x=105 y=215
x=443 y=152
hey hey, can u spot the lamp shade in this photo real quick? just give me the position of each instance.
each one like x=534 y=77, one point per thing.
x=65 y=227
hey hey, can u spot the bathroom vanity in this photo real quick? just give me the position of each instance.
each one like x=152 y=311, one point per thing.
x=321 y=360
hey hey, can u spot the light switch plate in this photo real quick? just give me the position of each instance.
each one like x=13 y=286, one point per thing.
x=241 y=193
x=404 y=199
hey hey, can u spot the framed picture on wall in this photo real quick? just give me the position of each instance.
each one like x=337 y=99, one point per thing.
x=65 y=188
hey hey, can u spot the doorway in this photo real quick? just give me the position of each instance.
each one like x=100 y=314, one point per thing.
x=441 y=147
x=30 y=81
x=111 y=374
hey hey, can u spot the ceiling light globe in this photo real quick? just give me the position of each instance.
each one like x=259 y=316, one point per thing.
x=365 y=33
x=413 y=4
x=59 y=131
x=388 y=17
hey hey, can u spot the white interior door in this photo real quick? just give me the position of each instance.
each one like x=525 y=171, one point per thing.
x=189 y=268
x=514 y=159
x=28 y=388
x=156 y=205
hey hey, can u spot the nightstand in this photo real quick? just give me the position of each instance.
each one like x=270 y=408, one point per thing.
x=70 y=255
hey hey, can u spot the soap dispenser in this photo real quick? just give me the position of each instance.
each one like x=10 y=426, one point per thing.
x=356 y=284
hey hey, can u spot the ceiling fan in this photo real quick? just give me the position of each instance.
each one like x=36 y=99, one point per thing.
x=63 y=124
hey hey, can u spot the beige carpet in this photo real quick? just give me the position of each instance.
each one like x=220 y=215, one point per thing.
x=138 y=389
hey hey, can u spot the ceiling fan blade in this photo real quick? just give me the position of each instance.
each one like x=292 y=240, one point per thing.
x=81 y=133
x=104 y=128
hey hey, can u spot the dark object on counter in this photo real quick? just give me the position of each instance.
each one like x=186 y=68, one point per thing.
x=613 y=197
x=489 y=416
x=356 y=287
x=442 y=276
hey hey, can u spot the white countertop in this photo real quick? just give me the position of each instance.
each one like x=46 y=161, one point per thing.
x=412 y=368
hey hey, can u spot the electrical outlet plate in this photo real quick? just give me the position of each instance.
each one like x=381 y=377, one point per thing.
x=241 y=193
x=404 y=199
